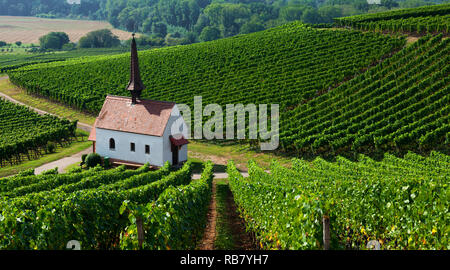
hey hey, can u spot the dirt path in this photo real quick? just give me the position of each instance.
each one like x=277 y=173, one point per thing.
x=217 y=175
x=209 y=236
x=63 y=163
x=242 y=239
x=224 y=222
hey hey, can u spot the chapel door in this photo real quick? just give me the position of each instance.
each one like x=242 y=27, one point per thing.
x=174 y=155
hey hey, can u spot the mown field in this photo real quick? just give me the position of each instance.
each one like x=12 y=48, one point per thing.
x=29 y=29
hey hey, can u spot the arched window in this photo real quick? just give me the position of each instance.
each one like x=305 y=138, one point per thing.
x=112 y=144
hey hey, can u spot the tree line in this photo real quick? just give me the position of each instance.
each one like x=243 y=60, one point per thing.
x=201 y=20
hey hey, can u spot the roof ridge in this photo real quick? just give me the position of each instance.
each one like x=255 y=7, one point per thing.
x=129 y=98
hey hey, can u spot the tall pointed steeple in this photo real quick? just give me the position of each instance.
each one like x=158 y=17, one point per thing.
x=135 y=86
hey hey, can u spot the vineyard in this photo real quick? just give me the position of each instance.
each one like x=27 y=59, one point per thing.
x=14 y=61
x=421 y=20
x=25 y=133
x=384 y=107
x=99 y=207
x=415 y=25
x=400 y=104
x=364 y=114
x=287 y=65
x=402 y=203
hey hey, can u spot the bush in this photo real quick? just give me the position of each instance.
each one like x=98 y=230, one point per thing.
x=52 y=171
x=83 y=158
x=69 y=46
x=210 y=33
x=51 y=147
x=93 y=160
x=75 y=170
x=26 y=172
x=53 y=40
x=103 y=38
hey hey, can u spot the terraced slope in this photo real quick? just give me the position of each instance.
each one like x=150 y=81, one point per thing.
x=402 y=103
x=13 y=61
x=286 y=65
x=414 y=25
x=339 y=91
x=428 y=19
x=23 y=132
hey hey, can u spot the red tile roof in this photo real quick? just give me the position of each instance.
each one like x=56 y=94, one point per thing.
x=92 y=135
x=146 y=117
x=178 y=140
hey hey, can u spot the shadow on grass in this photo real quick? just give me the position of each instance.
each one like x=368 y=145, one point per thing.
x=198 y=167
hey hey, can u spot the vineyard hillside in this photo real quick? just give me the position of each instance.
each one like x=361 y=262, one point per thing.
x=340 y=91
x=429 y=19
x=26 y=134
x=364 y=120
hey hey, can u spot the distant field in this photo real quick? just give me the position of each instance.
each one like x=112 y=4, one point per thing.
x=29 y=29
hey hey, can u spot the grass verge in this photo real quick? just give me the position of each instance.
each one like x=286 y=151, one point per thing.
x=61 y=152
x=44 y=104
x=75 y=165
x=220 y=154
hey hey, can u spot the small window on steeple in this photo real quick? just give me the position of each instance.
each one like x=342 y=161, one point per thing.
x=132 y=147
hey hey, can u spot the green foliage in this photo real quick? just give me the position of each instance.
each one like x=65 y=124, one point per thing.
x=231 y=17
x=83 y=206
x=53 y=40
x=13 y=61
x=83 y=158
x=51 y=171
x=250 y=27
x=400 y=104
x=51 y=147
x=103 y=38
x=176 y=220
x=52 y=192
x=422 y=20
x=210 y=33
x=75 y=170
x=93 y=159
x=159 y=29
x=68 y=47
x=402 y=203
x=23 y=131
x=26 y=172
x=293 y=66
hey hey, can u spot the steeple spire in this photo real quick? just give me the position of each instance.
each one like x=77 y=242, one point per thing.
x=135 y=86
